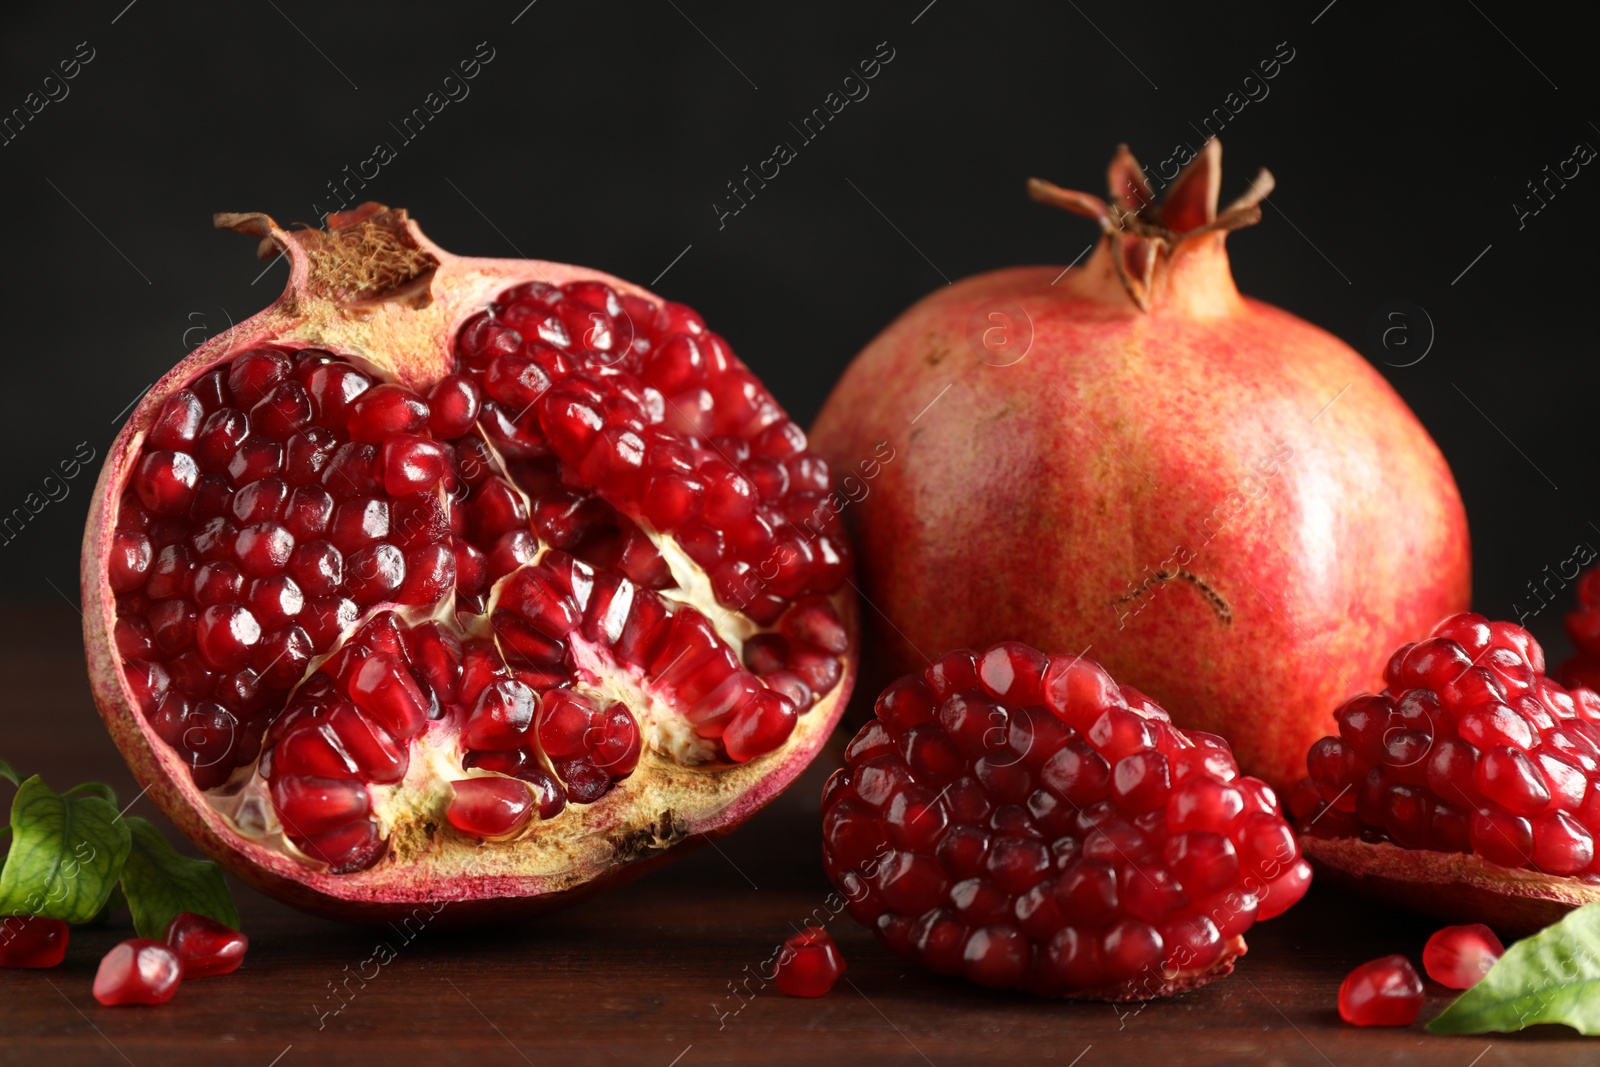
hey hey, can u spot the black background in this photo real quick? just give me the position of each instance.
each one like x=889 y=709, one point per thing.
x=603 y=133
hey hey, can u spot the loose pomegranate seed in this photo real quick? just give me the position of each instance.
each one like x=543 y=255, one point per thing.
x=140 y=971
x=32 y=941
x=490 y=807
x=808 y=964
x=1458 y=956
x=992 y=838
x=1385 y=992
x=204 y=946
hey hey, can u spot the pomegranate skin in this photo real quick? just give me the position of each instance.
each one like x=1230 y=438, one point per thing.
x=1224 y=505
x=401 y=314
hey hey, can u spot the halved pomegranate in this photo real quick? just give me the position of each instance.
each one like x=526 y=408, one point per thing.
x=461 y=580
x=1469 y=788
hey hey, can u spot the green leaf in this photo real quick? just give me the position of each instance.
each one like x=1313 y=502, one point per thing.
x=66 y=856
x=9 y=774
x=159 y=884
x=1551 y=977
x=94 y=789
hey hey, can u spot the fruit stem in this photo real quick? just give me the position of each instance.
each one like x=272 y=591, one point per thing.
x=1145 y=237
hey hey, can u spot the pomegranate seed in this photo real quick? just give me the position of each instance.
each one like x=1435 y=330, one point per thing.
x=501 y=717
x=166 y=482
x=411 y=464
x=1458 y=956
x=490 y=807
x=808 y=964
x=140 y=971
x=384 y=410
x=1385 y=992
x=204 y=946
x=32 y=941
x=453 y=406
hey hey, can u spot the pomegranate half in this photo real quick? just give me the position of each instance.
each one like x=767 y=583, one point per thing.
x=1224 y=505
x=461 y=581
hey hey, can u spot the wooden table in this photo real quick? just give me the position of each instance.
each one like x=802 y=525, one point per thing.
x=645 y=975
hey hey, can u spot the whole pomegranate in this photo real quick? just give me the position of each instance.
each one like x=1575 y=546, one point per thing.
x=1224 y=505
x=1469 y=787
x=460 y=581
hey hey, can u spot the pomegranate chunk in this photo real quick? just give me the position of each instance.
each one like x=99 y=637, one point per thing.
x=1458 y=956
x=1470 y=749
x=809 y=964
x=1385 y=992
x=140 y=971
x=1022 y=820
x=442 y=566
x=32 y=941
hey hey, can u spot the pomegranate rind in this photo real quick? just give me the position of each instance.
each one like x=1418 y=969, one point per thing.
x=1455 y=886
x=348 y=297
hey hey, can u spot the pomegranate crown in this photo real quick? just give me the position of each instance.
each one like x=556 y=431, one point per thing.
x=1145 y=235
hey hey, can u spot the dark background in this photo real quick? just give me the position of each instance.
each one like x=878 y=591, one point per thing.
x=602 y=133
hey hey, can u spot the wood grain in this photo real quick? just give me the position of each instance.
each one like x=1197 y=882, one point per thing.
x=660 y=973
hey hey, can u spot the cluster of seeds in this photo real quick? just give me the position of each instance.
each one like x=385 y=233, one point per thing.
x=1470 y=748
x=305 y=556
x=1026 y=822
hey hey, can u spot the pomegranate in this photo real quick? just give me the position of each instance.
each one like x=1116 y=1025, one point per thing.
x=1024 y=821
x=32 y=941
x=1469 y=787
x=139 y=971
x=1459 y=956
x=461 y=581
x=1223 y=504
x=205 y=946
x=809 y=964
x=1385 y=992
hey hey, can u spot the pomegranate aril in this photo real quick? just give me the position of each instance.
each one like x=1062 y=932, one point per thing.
x=165 y=482
x=140 y=971
x=1457 y=957
x=1384 y=992
x=762 y=724
x=490 y=807
x=32 y=941
x=254 y=372
x=808 y=964
x=204 y=946
x=384 y=410
x=382 y=687
x=453 y=406
x=178 y=422
x=501 y=717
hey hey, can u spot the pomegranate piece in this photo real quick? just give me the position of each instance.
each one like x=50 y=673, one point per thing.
x=1091 y=365
x=140 y=971
x=809 y=964
x=1080 y=847
x=204 y=946
x=539 y=563
x=32 y=941
x=1470 y=749
x=1458 y=956
x=1385 y=992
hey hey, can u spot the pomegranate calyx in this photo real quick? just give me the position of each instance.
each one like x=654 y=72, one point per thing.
x=1143 y=237
x=369 y=253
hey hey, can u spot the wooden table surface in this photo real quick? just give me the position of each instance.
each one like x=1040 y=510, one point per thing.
x=645 y=975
